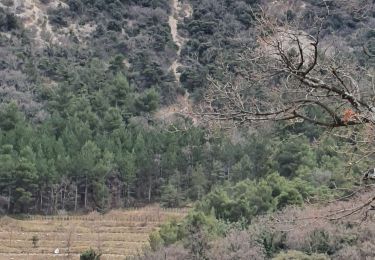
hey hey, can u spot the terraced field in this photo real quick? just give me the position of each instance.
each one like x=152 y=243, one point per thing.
x=116 y=235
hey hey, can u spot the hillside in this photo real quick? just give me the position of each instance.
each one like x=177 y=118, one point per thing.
x=156 y=44
x=240 y=108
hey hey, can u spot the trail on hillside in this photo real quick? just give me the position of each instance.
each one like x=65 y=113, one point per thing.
x=183 y=106
x=34 y=17
x=178 y=13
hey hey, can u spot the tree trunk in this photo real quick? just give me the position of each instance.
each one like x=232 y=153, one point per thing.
x=149 y=188
x=41 y=199
x=9 y=198
x=86 y=192
x=52 y=201
x=61 y=199
x=76 y=198
x=128 y=194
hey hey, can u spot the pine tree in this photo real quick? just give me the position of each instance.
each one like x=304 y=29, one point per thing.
x=9 y=116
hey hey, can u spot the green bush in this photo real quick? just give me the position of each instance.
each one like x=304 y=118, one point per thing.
x=155 y=240
x=169 y=233
x=272 y=242
x=320 y=241
x=90 y=255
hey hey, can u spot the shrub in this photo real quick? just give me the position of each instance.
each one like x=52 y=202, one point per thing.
x=272 y=241
x=168 y=233
x=58 y=20
x=114 y=26
x=35 y=240
x=8 y=22
x=171 y=252
x=90 y=255
x=236 y=245
x=297 y=255
x=319 y=241
x=155 y=240
x=350 y=252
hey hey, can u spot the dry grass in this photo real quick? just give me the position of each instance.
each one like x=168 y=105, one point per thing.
x=117 y=234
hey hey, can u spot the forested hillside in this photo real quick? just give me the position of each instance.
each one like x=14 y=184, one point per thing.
x=114 y=103
x=80 y=83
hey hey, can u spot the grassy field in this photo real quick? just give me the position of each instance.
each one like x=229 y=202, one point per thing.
x=117 y=234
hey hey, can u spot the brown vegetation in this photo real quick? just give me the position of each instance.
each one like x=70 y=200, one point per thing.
x=117 y=234
x=340 y=229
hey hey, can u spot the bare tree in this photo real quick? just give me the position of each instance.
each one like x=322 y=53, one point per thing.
x=70 y=239
x=294 y=75
x=297 y=75
x=290 y=73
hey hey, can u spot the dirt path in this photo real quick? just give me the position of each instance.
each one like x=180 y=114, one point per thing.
x=173 y=21
x=183 y=106
x=179 y=11
x=34 y=17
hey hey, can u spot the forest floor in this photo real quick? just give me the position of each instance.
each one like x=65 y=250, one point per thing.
x=117 y=234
